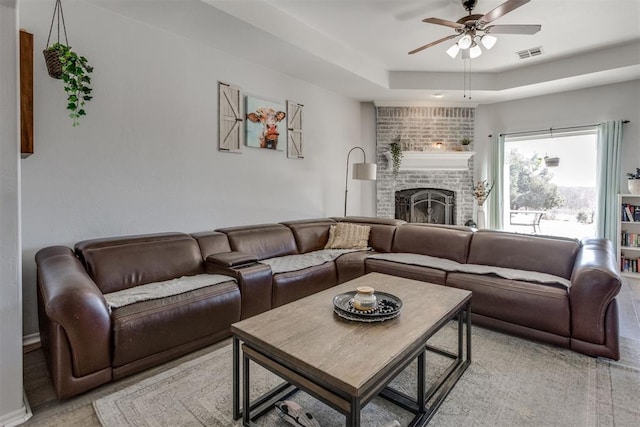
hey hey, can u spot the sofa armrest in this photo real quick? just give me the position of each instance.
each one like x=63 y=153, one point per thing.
x=232 y=259
x=70 y=298
x=254 y=279
x=595 y=282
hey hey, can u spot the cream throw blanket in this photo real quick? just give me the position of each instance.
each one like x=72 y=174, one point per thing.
x=157 y=290
x=453 y=266
x=284 y=264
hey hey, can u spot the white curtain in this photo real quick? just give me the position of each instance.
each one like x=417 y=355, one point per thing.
x=608 y=178
x=496 y=177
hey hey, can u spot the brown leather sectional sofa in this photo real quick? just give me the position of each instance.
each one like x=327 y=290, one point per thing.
x=569 y=301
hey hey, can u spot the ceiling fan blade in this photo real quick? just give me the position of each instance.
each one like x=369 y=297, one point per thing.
x=444 y=39
x=444 y=22
x=503 y=9
x=513 y=29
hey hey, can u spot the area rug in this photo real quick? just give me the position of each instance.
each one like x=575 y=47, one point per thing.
x=511 y=382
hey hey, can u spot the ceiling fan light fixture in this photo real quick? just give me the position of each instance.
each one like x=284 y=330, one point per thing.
x=465 y=42
x=475 y=51
x=453 y=50
x=488 y=41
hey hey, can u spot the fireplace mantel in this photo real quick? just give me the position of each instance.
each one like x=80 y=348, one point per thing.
x=434 y=160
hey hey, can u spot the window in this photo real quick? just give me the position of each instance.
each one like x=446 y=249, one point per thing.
x=549 y=183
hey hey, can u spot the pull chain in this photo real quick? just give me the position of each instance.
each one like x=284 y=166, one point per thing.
x=467 y=79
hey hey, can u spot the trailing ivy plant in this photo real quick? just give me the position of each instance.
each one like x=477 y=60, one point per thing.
x=396 y=157
x=75 y=75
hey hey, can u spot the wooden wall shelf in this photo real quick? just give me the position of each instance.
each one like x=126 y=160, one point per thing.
x=434 y=160
x=26 y=94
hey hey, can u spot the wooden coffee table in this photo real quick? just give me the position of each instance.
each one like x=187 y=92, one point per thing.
x=346 y=364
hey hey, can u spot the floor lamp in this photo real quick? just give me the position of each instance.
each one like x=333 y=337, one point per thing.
x=363 y=171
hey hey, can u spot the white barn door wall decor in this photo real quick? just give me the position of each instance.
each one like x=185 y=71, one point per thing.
x=230 y=118
x=294 y=130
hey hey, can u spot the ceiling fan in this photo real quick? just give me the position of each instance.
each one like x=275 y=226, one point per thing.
x=473 y=29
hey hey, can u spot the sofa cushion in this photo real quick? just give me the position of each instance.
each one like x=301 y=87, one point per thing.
x=439 y=241
x=452 y=266
x=533 y=305
x=351 y=265
x=159 y=290
x=293 y=285
x=312 y=234
x=124 y=262
x=263 y=241
x=211 y=242
x=382 y=230
x=298 y=262
x=346 y=235
x=545 y=254
x=150 y=327
x=415 y=272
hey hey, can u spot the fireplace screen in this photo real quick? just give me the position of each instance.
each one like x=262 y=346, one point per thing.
x=429 y=205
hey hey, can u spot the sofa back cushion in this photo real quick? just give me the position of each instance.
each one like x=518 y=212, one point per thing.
x=119 y=263
x=312 y=234
x=264 y=240
x=545 y=254
x=212 y=242
x=381 y=233
x=440 y=241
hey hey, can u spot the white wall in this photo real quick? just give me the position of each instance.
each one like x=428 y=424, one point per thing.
x=575 y=108
x=145 y=157
x=368 y=141
x=12 y=408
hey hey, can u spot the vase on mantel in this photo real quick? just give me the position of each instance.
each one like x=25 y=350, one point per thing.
x=480 y=218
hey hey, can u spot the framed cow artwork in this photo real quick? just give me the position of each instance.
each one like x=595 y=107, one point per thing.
x=266 y=126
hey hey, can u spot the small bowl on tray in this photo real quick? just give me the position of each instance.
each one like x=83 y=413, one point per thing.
x=388 y=307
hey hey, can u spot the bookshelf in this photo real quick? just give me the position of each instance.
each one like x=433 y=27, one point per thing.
x=629 y=235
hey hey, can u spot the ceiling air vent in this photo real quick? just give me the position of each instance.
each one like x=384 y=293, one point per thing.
x=530 y=53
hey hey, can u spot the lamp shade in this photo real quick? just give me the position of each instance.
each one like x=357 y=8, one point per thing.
x=453 y=50
x=475 y=51
x=465 y=41
x=488 y=41
x=366 y=171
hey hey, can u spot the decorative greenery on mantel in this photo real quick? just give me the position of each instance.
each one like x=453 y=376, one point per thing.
x=432 y=160
x=396 y=157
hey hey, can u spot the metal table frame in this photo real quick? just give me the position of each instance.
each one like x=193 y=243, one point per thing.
x=424 y=405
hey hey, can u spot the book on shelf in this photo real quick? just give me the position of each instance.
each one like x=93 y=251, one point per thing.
x=628 y=265
x=630 y=239
x=628 y=214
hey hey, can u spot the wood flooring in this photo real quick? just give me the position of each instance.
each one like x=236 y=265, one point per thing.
x=78 y=411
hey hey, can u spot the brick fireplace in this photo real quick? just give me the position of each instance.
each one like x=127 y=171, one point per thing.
x=419 y=129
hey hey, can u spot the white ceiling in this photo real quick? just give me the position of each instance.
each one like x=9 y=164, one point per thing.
x=359 y=47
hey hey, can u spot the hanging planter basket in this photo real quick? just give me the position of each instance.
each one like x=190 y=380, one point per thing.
x=54 y=66
x=52 y=55
x=551 y=162
x=63 y=63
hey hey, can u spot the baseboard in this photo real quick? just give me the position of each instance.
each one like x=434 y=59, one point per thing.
x=17 y=417
x=31 y=342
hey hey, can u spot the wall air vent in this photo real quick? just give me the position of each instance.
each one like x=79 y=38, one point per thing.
x=530 y=53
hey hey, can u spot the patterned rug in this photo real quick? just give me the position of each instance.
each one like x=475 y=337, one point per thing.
x=511 y=382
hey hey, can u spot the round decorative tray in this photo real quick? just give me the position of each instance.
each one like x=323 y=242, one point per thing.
x=388 y=307
x=357 y=318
